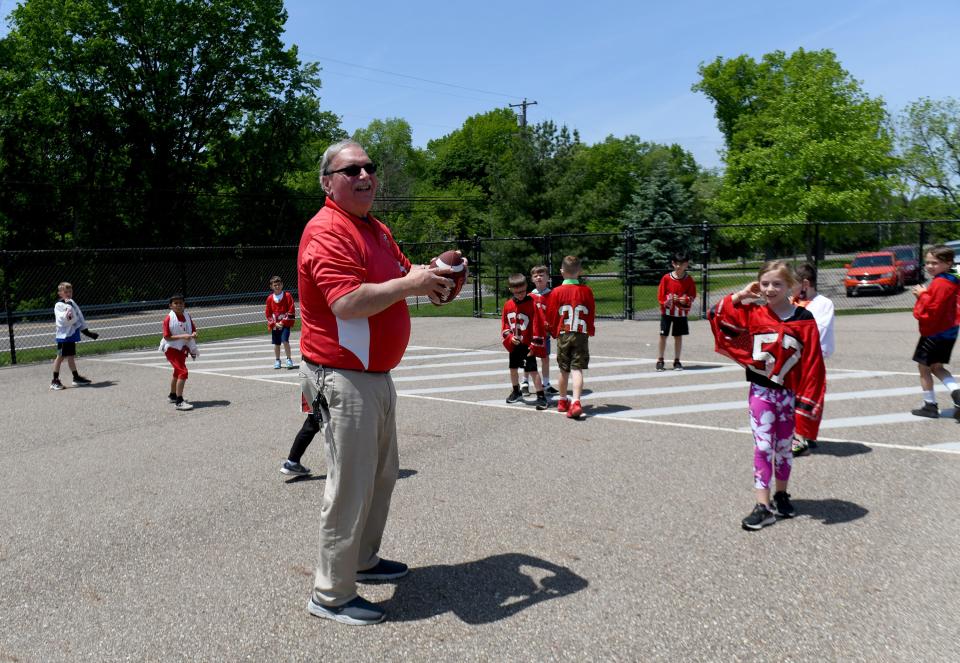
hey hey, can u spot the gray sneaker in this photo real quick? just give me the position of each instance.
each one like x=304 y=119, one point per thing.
x=294 y=469
x=358 y=611
x=384 y=570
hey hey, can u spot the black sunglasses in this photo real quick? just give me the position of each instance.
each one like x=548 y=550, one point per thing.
x=354 y=170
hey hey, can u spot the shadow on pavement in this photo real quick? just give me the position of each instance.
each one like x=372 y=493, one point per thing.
x=840 y=449
x=830 y=511
x=483 y=591
x=202 y=404
x=606 y=408
x=103 y=384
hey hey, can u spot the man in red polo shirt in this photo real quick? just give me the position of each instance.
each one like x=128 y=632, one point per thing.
x=353 y=282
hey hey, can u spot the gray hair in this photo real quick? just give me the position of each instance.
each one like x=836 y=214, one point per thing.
x=333 y=151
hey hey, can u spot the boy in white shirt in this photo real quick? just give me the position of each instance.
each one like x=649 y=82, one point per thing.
x=70 y=324
x=823 y=312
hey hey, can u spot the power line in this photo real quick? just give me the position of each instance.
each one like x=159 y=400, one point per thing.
x=416 y=78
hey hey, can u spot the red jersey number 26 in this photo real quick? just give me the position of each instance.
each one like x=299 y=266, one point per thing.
x=780 y=360
x=571 y=317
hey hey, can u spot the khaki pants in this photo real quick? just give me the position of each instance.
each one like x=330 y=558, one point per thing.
x=360 y=439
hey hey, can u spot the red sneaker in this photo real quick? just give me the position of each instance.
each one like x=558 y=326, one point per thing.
x=563 y=405
x=575 y=411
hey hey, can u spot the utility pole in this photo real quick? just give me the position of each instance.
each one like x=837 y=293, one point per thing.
x=523 y=115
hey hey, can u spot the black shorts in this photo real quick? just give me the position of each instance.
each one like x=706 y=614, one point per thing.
x=67 y=348
x=520 y=357
x=680 y=326
x=931 y=350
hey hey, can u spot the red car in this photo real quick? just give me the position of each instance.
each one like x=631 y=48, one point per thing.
x=911 y=266
x=878 y=271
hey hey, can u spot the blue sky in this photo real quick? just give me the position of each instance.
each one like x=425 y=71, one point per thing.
x=602 y=67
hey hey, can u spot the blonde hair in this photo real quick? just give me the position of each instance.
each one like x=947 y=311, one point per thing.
x=781 y=266
x=63 y=285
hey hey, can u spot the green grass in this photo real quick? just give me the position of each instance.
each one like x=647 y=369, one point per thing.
x=152 y=341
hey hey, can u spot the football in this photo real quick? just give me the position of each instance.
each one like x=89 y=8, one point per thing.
x=684 y=301
x=451 y=265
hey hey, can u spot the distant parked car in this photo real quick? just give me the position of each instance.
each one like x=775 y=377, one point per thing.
x=910 y=264
x=877 y=271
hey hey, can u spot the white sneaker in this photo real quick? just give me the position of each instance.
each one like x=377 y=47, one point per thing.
x=276 y=364
x=289 y=363
x=184 y=406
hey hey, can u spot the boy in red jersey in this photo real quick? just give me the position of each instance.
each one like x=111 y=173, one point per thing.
x=936 y=311
x=522 y=331
x=541 y=295
x=675 y=294
x=280 y=312
x=570 y=313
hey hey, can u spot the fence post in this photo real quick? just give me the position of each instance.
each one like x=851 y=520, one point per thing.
x=182 y=268
x=704 y=261
x=496 y=286
x=628 y=274
x=7 y=306
x=923 y=242
x=816 y=245
x=477 y=284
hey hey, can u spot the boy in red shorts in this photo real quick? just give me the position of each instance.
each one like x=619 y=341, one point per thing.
x=570 y=314
x=179 y=340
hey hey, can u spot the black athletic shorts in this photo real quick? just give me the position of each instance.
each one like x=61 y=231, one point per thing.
x=931 y=350
x=520 y=357
x=67 y=348
x=680 y=326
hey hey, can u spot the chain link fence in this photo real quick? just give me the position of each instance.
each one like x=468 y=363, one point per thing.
x=124 y=292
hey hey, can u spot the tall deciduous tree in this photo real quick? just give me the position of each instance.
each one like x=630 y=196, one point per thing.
x=144 y=105
x=803 y=142
x=929 y=140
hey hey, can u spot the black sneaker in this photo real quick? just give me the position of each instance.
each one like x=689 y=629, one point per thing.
x=782 y=506
x=677 y=366
x=929 y=410
x=79 y=381
x=550 y=389
x=358 y=611
x=660 y=365
x=760 y=517
x=955 y=395
x=514 y=396
x=525 y=388
x=56 y=385
x=294 y=469
x=384 y=570
x=172 y=398
x=542 y=403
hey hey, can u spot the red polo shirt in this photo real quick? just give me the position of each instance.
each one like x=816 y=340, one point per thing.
x=339 y=252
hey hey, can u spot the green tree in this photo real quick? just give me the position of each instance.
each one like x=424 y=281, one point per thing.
x=929 y=140
x=803 y=143
x=659 y=217
x=131 y=114
x=390 y=144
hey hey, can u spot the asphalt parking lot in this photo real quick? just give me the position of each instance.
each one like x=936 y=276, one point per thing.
x=130 y=531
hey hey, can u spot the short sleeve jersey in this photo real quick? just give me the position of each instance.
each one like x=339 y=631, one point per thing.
x=338 y=253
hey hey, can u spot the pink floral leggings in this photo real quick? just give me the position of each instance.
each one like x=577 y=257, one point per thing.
x=771 y=418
